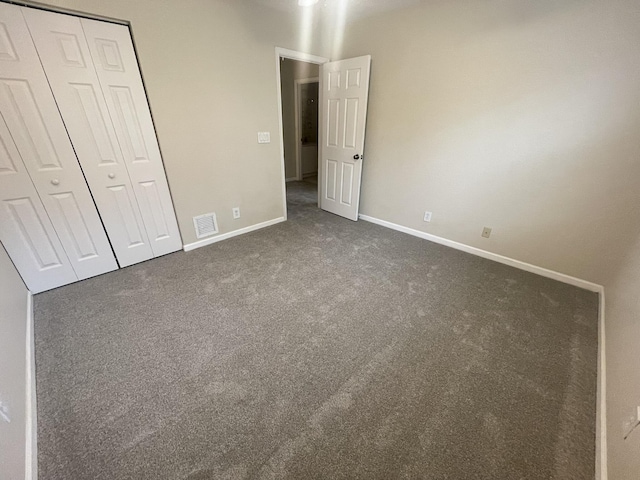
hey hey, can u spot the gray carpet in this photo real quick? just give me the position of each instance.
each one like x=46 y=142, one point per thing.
x=318 y=348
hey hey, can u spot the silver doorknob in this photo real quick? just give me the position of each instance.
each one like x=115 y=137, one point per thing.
x=112 y=176
x=55 y=181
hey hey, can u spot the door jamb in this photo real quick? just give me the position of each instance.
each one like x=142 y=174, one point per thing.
x=297 y=83
x=304 y=57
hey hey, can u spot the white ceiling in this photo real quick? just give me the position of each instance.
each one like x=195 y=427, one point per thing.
x=355 y=8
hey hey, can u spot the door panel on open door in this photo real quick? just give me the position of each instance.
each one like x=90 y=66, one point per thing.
x=64 y=52
x=33 y=122
x=344 y=94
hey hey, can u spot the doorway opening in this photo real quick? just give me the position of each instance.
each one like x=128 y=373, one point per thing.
x=298 y=89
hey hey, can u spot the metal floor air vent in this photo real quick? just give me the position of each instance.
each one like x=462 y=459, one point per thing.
x=205 y=225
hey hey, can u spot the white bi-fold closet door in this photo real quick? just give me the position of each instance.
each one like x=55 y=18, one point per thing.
x=93 y=72
x=88 y=71
x=50 y=225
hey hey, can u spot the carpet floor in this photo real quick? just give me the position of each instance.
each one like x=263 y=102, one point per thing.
x=318 y=348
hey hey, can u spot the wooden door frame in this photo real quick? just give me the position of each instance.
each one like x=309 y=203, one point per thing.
x=298 y=82
x=302 y=57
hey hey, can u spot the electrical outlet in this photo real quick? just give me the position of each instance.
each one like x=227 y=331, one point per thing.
x=427 y=216
x=236 y=212
x=486 y=232
x=630 y=423
x=264 y=137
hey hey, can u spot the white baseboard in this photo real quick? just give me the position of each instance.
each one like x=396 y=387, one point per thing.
x=31 y=411
x=601 y=407
x=224 y=236
x=577 y=282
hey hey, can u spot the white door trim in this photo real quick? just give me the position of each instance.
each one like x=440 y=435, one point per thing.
x=297 y=83
x=303 y=57
x=300 y=56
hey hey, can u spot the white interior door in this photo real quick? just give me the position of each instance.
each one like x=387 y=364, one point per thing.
x=27 y=233
x=32 y=118
x=117 y=68
x=343 y=96
x=67 y=63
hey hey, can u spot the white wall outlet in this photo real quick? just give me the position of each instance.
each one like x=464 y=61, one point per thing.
x=427 y=216
x=264 y=137
x=630 y=423
x=236 y=212
x=486 y=232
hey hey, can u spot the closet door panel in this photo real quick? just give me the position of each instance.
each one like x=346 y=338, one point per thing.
x=33 y=121
x=117 y=68
x=64 y=53
x=27 y=233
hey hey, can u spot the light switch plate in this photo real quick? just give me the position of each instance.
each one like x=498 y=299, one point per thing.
x=264 y=137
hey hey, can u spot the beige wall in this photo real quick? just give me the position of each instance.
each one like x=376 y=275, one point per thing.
x=521 y=116
x=210 y=71
x=517 y=115
x=290 y=71
x=13 y=375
